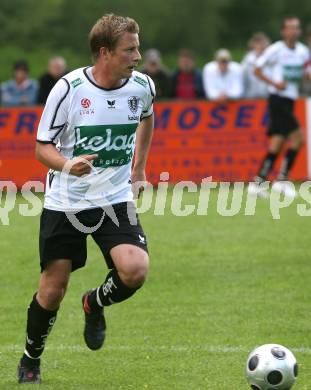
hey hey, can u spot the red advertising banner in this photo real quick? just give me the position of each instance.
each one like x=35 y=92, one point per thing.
x=192 y=140
x=18 y=128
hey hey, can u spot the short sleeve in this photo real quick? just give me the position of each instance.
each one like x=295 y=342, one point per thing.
x=55 y=114
x=148 y=101
x=269 y=57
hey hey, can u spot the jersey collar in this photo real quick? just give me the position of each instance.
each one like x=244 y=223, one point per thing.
x=102 y=88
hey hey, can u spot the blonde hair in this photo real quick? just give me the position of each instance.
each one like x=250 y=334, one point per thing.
x=107 y=31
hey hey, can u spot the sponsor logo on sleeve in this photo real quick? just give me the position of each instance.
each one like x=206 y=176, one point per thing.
x=140 y=81
x=76 y=82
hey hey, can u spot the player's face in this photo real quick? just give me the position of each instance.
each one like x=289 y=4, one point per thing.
x=291 y=30
x=126 y=56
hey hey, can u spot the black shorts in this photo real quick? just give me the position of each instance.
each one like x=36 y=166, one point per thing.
x=60 y=239
x=282 y=120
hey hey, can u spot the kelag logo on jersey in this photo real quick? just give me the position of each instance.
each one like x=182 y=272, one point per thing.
x=293 y=73
x=114 y=144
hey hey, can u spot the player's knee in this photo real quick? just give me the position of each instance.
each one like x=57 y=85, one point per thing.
x=136 y=272
x=297 y=140
x=300 y=141
x=51 y=296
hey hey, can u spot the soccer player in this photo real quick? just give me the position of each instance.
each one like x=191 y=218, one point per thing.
x=281 y=67
x=93 y=120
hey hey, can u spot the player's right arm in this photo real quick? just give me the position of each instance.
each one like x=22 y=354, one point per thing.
x=52 y=124
x=49 y=156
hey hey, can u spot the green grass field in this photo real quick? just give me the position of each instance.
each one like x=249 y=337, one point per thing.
x=218 y=287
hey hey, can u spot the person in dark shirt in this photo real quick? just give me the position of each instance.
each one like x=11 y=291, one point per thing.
x=154 y=68
x=56 y=70
x=186 y=81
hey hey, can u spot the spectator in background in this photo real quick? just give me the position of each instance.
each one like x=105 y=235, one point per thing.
x=56 y=70
x=153 y=67
x=20 y=91
x=253 y=86
x=305 y=89
x=186 y=81
x=222 y=78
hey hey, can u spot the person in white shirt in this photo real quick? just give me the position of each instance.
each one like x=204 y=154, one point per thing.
x=253 y=86
x=281 y=66
x=222 y=78
x=94 y=120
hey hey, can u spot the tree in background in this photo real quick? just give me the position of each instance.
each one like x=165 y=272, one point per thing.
x=40 y=29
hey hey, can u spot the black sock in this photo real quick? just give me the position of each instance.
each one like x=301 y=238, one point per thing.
x=39 y=324
x=113 y=290
x=266 y=166
x=287 y=163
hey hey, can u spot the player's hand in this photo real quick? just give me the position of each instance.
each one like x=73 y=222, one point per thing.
x=82 y=165
x=138 y=180
x=280 y=85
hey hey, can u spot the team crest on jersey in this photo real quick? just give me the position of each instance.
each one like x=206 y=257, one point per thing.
x=133 y=103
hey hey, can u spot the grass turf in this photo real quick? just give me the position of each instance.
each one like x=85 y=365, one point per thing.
x=218 y=287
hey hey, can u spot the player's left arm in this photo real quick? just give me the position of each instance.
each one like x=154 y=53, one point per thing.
x=307 y=70
x=144 y=134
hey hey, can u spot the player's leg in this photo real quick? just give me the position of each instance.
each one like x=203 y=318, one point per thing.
x=281 y=185
x=131 y=268
x=130 y=272
x=41 y=316
x=276 y=128
x=295 y=137
x=275 y=146
x=295 y=143
x=58 y=240
x=125 y=249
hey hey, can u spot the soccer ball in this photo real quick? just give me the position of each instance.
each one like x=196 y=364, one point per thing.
x=270 y=367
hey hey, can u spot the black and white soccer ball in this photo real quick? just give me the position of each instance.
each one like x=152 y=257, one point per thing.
x=271 y=367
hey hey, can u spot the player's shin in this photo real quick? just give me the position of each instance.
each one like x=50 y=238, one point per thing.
x=39 y=324
x=266 y=166
x=113 y=290
x=287 y=164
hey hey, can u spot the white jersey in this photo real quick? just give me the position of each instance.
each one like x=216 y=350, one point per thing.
x=253 y=86
x=216 y=83
x=82 y=118
x=284 y=64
